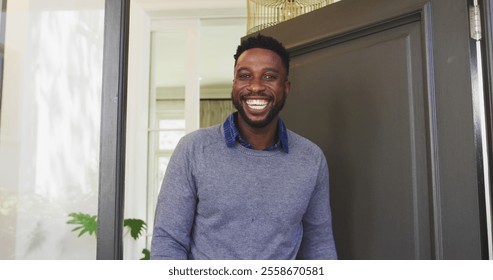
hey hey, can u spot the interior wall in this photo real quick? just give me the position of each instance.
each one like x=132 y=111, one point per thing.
x=137 y=120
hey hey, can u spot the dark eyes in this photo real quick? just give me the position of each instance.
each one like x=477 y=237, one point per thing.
x=267 y=77
x=244 y=76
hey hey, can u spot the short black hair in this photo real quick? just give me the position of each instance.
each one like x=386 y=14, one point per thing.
x=264 y=42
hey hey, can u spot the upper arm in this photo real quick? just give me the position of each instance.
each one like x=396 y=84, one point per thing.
x=318 y=241
x=175 y=208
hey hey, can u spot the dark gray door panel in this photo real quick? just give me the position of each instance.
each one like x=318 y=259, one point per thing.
x=384 y=88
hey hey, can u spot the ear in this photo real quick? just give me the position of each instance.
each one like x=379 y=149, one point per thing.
x=287 y=86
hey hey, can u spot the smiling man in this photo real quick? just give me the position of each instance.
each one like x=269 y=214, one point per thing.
x=248 y=188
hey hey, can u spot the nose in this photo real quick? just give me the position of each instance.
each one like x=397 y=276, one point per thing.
x=256 y=85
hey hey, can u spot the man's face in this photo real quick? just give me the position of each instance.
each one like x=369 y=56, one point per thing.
x=260 y=86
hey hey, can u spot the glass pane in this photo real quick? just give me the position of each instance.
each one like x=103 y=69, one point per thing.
x=171 y=124
x=215 y=111
x=49 y=129
x=216 y=67
x=215 y=86
x=170 y=46
x=169 y=139
x=162 y=164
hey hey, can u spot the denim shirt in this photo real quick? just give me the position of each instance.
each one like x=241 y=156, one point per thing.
x=232 y=134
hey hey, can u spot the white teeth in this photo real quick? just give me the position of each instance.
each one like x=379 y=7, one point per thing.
x=257 y=104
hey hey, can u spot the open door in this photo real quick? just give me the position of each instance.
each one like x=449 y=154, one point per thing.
x=389 y=90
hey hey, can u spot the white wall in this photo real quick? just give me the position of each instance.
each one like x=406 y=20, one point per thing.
x=49 y=133
x=137 y=122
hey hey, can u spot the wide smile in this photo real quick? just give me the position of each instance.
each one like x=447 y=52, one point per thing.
x=257 y=104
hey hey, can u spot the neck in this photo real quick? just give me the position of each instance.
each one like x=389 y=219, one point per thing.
x=259 y=138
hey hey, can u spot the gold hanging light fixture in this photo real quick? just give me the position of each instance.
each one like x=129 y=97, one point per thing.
x=265 y=13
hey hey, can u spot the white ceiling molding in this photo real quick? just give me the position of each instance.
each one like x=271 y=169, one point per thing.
x=161 y=5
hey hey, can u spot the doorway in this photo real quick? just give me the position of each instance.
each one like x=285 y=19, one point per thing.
x=181 y=72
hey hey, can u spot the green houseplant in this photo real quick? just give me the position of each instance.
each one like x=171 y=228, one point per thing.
x=86 y=223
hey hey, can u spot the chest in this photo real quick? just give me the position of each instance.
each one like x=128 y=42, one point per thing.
x=274 y=188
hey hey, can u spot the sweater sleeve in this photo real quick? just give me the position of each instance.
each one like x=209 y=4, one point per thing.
x=318 y=241
x=175 y=208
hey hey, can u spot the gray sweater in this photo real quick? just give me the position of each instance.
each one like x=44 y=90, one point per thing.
x=236 y=203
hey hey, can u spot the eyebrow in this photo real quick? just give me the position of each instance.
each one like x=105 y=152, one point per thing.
x=266 y=68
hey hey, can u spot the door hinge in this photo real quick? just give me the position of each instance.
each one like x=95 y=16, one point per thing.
x=475 y=22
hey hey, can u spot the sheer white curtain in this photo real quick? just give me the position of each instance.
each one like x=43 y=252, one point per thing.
x=49 y=131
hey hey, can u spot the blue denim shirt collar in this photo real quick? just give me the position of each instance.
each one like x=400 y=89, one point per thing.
x=232 y=135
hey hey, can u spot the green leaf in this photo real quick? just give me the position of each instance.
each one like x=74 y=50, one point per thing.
x=136 y=227
x=147 y=254
x=86 y=222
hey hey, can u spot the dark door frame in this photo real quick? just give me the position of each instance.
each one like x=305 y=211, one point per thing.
x=113 y=125
x=486 y=15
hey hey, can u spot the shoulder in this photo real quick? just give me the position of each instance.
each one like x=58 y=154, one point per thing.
x=201 y=138
x=204 y=133
x=301 y=144
x=304 y=150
